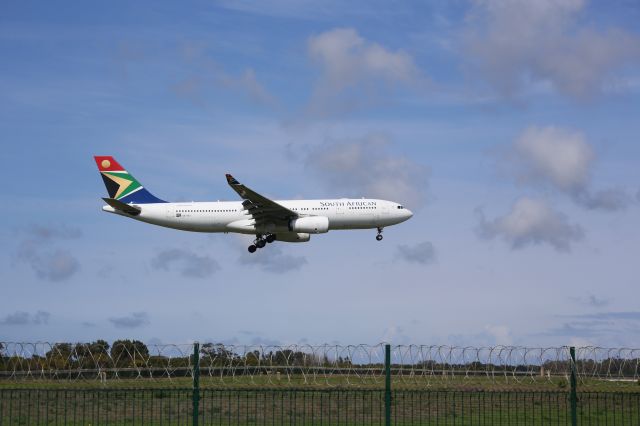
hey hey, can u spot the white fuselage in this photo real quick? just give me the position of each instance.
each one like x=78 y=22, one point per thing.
x=230 y=216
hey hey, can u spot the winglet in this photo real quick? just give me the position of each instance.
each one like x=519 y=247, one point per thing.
x=231 y=180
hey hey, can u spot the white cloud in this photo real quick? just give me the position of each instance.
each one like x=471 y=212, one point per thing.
x=312 y=10
x=353 y=69
x=423 y=253
x=616 y=315
x=365 y=168
x=581 y=329
x=591 y=300
x=52 y=264
x=50 y=233
x=248 y=83
x=501 y=334
x=189 y=264
x=25 y=318
x=272 y=259
x=346 y=58
x=205 y=74
x=611 y=326
x=531 y=222
x=396 y=335
x=563 y=159
x=557 y=156
x=518 y=42
x=135 y=320
x=611 y=199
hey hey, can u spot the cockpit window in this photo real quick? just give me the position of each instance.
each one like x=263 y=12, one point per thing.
x=401 y=207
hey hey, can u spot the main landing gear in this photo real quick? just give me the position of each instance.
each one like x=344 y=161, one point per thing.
x=261 y=241
x=379 y=236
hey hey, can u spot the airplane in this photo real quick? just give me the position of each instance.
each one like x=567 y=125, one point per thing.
x=291 y=221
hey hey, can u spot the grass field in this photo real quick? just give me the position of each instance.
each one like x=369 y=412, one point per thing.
x=316 y=400
x=475 y=383
x=280 y=406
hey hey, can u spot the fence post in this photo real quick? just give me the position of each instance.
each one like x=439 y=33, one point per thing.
x=387 y=385
x=574 y=384
x=196 y=382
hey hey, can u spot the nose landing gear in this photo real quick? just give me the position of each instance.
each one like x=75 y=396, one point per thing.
x=261 y=241
x=379 y=236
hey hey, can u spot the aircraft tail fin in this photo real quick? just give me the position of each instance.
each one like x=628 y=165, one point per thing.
x=121 y=185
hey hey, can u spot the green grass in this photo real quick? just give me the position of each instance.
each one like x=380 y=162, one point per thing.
x=478 y=383
x=308 y=400
x=310 y=407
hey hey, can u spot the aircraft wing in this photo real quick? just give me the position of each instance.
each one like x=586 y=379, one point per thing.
x=262 y=209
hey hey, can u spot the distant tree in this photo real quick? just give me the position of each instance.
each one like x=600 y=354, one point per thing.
x=90 y=355
x=344 y=362
x=129 y=353
x=208 y=350
x=60 y=355
x=252 y=358
x=280 y=358
x=217 y=354
x=60 y=350
x=81 y=351
x=99 y=347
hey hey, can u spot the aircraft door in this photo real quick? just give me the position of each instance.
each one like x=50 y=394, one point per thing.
x=339 y=221
x=382 y=211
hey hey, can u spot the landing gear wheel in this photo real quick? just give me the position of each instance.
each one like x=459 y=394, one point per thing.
x=252 y=248
x=271 y=238
x=261 y=243
x=379 y=237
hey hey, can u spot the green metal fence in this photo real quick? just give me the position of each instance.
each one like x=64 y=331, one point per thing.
x=311 y=407
x=61 y=401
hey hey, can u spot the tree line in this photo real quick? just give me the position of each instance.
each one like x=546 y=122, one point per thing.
x=128 y=354
x=133 y=354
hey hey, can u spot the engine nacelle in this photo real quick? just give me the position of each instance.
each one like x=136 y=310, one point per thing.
x=293 y=237
x=311 y=224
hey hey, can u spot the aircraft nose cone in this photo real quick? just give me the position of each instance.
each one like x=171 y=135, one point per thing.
x=406 y=214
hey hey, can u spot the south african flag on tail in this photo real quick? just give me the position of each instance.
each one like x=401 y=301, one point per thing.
x=121 y=185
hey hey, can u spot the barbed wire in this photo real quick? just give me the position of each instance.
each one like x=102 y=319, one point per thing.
x=94 y=361
x=315 y=365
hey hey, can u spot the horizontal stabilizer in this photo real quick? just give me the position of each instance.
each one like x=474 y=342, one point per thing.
x=123 y=207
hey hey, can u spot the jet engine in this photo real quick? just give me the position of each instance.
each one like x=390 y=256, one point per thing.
x=311 y=224
x=293 y=237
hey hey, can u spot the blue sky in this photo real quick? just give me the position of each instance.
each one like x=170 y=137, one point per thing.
x=510 y=128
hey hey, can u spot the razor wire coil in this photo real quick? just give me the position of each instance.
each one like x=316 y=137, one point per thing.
x=315 y=365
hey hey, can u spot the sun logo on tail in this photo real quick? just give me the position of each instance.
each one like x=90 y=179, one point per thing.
x=121 y=185
x=118 y=181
